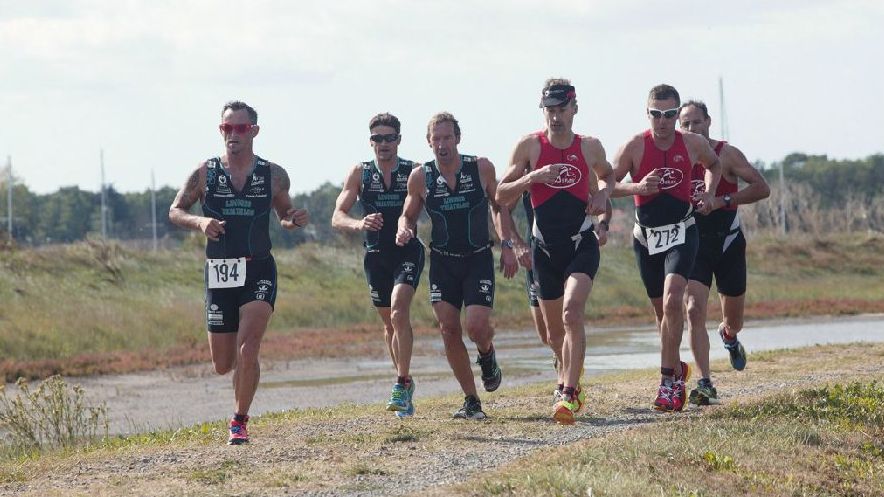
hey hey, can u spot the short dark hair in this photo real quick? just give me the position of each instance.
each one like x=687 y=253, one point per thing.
x=663 y=92
x=698 y=104
x=384 y=119
x=236 y=105
x=443 y=117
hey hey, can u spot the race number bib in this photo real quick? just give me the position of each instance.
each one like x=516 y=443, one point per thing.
x=226 y=273
x=662 y=238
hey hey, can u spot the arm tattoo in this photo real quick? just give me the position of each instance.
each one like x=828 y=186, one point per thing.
x=191 y=192
x=279 y=179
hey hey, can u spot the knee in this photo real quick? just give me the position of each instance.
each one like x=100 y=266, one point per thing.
x=573 y=318
x=451 y=334
x=734 y=325
x=248 y=352
x=673 y=302
x=696 y=313
x=399 y=319
x=477 y=329
x=223 y=367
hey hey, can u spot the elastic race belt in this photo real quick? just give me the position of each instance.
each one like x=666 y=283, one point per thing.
x=458 y=254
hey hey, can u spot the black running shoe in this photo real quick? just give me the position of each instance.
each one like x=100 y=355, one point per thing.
x=491 y=374
x=472 y=409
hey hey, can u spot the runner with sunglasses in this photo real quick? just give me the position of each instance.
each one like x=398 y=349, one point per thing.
x=237 y=191
x=393 y=272
x=660 y=163
x=569 y=180
x=457 y=191
x=721 y=254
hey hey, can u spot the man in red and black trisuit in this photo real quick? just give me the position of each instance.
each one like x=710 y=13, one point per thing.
x=722 y=252
x=660 y=163
x=569 y=180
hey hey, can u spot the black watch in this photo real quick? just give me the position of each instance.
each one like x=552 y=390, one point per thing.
x=506 y=243
x=727 y=200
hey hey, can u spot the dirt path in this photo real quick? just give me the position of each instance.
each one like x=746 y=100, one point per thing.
x=362 y=450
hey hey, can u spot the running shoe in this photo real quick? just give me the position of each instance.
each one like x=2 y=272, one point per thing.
x=238 y=433
x=398 y=398
x=410 y=410
x=472 y=409
x=491 y=374
x=663 y=402
x=564 y=410
x=557 y=396
x=735 y=349
x=679 y=388
x=581 y=395
x=704 y=395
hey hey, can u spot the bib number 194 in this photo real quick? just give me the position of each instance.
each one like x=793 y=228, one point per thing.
x=662 y=238
x=226 y=273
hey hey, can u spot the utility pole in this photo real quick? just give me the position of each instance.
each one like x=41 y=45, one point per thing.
x=723 y=119
x=153 y=208
x=103 y=201
x=782 y=199
x=9 y=196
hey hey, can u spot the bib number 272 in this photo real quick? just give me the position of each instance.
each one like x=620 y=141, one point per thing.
x=226 y=273
x=662 y=238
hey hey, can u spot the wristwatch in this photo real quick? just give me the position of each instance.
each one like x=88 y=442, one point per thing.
x=506 y=243
x=727 y=200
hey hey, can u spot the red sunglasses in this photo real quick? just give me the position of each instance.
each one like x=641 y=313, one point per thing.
x=239 y=128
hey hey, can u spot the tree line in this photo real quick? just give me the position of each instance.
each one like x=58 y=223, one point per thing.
x=820 y=194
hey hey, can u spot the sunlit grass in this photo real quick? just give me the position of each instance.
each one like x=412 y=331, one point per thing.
x=65 y=304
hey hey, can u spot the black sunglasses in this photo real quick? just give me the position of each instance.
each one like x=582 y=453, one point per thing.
x=385 y=138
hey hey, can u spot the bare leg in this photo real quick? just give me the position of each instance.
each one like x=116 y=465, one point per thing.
x=253 y=319
x=732 y=310
x=697 y=297
x=403 y=341
x=455 y=350
x=389 y=334
x=672 y=325
x=577 y=289
x=555 y=329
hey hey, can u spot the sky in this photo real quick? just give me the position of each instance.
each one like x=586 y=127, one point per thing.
x=145 y=81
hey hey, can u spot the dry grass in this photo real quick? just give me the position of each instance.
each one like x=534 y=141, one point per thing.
x=756 y=444
x=92 y=308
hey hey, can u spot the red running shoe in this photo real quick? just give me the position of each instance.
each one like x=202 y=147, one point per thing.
x=679 y=388
x=239 y=434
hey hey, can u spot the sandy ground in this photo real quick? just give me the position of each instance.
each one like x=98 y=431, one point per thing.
x=362 y=453
x=184 y=396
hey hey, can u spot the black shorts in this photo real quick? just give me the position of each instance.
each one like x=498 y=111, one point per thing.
x=222 y=304
x=677 y=260
x=723 y=257
x=391 y=266
x=531 y=288
x=553 y=264
x=462 y=281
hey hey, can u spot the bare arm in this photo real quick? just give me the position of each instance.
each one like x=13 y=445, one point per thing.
x=341 y=220
x=699 y=146
x=289 y=217
x=192 y=192
x=626 y=162
x=519 y=176
x=414 y=202
x=602 y=183
x=502 y=218
x=734 y=164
